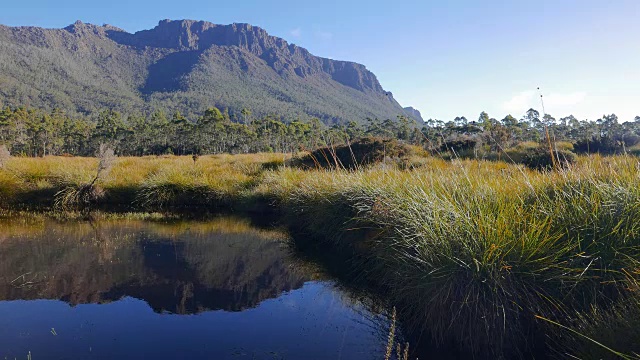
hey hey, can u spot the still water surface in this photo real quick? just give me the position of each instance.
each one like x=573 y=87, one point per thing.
x=220 y=289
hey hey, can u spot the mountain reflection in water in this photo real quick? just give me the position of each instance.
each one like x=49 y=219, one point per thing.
x=271 y=306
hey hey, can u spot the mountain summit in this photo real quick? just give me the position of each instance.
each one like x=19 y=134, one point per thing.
x=184 y=65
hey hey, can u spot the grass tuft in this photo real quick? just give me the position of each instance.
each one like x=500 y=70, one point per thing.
x=472 y=252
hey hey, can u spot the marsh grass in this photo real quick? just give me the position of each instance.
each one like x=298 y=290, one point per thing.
x=476 y=250
x=84 y=195
x=469 y=251
x=213 y=181
x=146 y=183
x=600 y=332
x=356 y=155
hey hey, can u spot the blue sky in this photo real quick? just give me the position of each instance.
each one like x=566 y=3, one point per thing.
x=446 y=58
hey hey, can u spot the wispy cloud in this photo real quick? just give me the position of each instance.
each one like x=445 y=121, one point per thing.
x=324 y=35
x=554 y=102
x=296 y=33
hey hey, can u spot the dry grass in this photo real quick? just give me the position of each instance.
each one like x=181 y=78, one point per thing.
x=25 y=224
x=471 y=250
x=147 y=182
x=476 y=249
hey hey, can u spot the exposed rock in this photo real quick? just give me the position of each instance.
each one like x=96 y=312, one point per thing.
x=189 y=35
x=413 y=113
x=183 y=65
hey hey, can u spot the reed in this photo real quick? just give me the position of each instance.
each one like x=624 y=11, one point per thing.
x=473 y=252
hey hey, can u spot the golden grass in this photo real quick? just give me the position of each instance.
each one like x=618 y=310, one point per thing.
x=33 y=224
x=472 y=247
x=156 y=180
x=462 y=247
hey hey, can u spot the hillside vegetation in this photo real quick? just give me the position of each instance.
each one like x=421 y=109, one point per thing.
x=184 y=66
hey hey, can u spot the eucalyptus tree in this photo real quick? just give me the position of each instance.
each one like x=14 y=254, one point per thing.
x=110 y=129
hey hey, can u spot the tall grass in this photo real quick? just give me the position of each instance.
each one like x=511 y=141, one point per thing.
x=476 y=250
x=473 y=252
x=82 y=196
x=146 y=183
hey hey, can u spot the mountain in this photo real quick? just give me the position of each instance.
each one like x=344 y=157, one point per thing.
x=413 y=113
x=183 y=65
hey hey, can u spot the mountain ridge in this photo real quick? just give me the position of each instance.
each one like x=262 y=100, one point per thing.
x=185 y=65
x=413 y=113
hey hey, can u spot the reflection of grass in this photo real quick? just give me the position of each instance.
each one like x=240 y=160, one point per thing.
x=472 y=250
x=402 y=351
x=160 y=225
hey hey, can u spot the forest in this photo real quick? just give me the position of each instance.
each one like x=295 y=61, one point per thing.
x=35 y=132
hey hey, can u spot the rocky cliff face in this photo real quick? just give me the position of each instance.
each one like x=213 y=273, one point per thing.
x=413 y=113
x=186 y=63
x=284 y=58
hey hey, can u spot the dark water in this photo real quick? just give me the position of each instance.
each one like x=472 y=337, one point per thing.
x=192 y=290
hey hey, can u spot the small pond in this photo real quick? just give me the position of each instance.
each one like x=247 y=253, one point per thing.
x=129 y=289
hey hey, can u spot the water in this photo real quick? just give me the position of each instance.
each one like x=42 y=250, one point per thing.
x=220 y=289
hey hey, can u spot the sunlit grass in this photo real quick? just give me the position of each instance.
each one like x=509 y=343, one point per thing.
x=144 y=181
x=471 y=250
x=474 y=247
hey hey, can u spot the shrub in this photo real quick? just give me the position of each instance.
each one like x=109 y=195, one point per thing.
x=273 y=164
x=630 y=139
x=601 y=145
x=540 y=158
x=563 y=145
x=9 y=186
x=363 y=152
x=459 y=144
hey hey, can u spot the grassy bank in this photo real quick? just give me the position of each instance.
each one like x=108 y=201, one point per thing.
x=134 y=183
x=474 y=253
x=477 y=250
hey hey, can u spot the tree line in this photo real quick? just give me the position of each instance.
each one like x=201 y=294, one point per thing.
x=34 y=132
x=604 y=135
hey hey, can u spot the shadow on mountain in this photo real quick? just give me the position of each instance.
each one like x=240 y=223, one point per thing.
x=177 y=268
x=167 y=73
